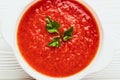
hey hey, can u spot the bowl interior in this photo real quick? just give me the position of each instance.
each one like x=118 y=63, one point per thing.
x=40 y=76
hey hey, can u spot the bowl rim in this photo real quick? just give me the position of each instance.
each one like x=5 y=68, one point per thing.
x=37 y=75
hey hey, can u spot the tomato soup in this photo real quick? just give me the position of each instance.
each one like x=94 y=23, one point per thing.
x=71 y=56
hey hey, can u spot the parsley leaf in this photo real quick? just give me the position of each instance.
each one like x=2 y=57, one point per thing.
x=55 y=43
x=68 y=34
x=52 y=26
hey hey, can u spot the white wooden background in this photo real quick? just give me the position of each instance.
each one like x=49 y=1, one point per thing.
x=109 y=14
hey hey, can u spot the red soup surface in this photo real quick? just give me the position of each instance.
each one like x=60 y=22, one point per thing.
x=71 y=56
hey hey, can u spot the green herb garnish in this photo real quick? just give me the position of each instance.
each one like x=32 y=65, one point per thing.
x=52 y=26
x=68 y=34
x=55 y=43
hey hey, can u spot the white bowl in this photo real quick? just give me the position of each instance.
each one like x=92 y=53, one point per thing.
x=98 y=63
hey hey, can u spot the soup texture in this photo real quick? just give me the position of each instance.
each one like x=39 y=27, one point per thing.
x=71 y=56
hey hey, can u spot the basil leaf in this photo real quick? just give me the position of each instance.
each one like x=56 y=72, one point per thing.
x=68 y=34
x=52 y=26
x=55 y=42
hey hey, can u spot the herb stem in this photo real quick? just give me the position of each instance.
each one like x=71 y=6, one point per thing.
x=53 y=27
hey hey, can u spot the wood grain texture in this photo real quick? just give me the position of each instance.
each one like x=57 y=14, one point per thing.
x=111 y=72
x=108 y=12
